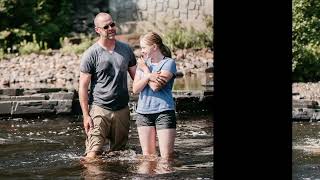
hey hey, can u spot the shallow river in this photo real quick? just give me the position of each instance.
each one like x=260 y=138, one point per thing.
x=50 y=148
x=306 y=150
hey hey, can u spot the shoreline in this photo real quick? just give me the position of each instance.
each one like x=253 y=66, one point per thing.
x=307 y=91
x=62 y=70
x=306 y=101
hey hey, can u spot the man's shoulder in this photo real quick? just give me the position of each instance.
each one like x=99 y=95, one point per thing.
x=93 y=48
x=122 y=44
x=90 y=52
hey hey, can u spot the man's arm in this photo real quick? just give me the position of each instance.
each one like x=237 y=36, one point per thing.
x=84 y=81
x=132 y=71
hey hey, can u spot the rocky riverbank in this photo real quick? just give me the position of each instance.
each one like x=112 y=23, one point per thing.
x=305 y=101
x=58 y=101
x=58 y=70
x=306 y=91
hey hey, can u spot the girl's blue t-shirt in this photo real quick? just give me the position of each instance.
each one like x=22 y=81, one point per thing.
x=155 y=102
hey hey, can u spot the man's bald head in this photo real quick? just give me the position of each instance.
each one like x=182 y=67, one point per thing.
x=101 y=17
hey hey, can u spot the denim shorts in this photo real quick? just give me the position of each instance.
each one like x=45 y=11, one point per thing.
x=162 y=120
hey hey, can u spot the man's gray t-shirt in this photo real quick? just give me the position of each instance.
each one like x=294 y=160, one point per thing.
x=108 y=88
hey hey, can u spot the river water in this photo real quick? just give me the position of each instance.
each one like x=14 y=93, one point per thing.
x=50 y=148
x=306 y=151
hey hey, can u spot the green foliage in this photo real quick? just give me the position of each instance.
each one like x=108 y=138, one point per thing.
x=2 y=55
x=306 y=40
x=47 y=19
x=179 y=37
x=29 y=47
x=32 y=47
x=15 y=35
x=68 y=47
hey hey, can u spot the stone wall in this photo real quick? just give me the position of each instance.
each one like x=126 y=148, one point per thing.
x=189 y=12
x=139 y=15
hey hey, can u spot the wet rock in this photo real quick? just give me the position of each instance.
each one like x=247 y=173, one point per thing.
x=5 y=82
x=304 y=103
x=209 y=70
x=179 y=55
x=5 y=107
x=179 y=74
x=306 y=114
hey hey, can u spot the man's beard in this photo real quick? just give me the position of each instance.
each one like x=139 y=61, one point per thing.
x=110 y=36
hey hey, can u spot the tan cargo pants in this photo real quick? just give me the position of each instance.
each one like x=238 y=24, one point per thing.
x=110 y=128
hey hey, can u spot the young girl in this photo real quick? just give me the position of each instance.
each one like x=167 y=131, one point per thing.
x=156 y=107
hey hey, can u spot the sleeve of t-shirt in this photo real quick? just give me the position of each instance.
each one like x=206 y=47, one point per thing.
x=86 y=63
x=132 y=60
x=170 y=66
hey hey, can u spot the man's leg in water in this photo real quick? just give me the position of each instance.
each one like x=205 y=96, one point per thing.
x=120 y=129
x=97 y=136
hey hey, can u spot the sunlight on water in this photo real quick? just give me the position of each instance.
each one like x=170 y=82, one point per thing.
x=194 y=166
x=305 y=150
x=308 y=145
x=65 y=156
x=52 y=148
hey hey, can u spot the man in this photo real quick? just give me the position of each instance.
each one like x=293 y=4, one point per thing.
x=104 y=66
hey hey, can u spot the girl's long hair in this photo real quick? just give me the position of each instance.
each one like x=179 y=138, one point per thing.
x=153 y=38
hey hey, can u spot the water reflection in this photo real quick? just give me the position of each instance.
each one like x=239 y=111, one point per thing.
x=152 y=165
x=94 y=171
x=200 y=81
x=129 y=162
x=147 y=167
x=102 y=168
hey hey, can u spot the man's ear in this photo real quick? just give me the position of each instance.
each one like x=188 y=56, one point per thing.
x=97 y=30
